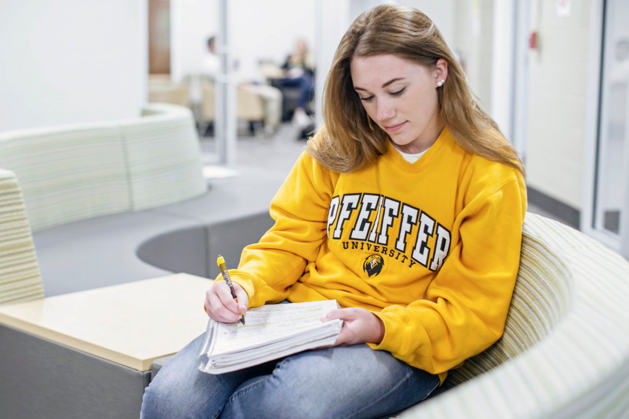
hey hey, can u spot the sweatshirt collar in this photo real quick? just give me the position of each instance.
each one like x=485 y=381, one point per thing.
x=426 y=160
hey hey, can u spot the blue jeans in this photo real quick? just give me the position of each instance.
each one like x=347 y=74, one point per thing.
x=305 y=85
x=340 y=382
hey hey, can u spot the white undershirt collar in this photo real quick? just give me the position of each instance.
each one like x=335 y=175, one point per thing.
x=411 y=158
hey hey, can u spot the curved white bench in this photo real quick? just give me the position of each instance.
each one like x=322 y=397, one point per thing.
x=76 y=172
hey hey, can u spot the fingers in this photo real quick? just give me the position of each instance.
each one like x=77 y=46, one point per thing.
x=332 y=315
x=217 y=311
x=220 y=304
x=342 y=314
x=359 y=326
x=243 y=298
x=345 y=337
x=346 y=315
x=226 y=297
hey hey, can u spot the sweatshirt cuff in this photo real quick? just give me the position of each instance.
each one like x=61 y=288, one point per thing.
x=245 y=283
x=393 y=325
x=391 y=322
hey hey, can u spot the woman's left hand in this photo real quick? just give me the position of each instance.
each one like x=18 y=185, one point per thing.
x=359 y=326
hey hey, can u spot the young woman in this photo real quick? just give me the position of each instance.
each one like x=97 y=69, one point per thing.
x=406 y=208
x=299 y=68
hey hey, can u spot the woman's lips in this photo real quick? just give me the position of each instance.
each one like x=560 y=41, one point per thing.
x=394 y=128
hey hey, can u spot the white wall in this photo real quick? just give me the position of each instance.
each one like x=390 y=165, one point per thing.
x=333 y=17
x=71 y=61
x=473 y=40
x=265 y=30
x=442 y=13
x=270 y=29
x=191 y=23
x=558 y=81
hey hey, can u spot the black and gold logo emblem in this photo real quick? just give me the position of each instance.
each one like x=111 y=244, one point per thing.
x=373 y=265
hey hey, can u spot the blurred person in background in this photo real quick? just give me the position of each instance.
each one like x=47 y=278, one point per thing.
x=211 y=62
x=250 y=80
x=299 y=72
x=406 y=208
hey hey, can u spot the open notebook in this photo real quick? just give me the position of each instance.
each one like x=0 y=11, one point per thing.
x=271 y=332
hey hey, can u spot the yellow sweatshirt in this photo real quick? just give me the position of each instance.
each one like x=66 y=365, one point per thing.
x=432 y=248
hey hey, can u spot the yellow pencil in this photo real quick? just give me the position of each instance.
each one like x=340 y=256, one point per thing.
x=221 y=264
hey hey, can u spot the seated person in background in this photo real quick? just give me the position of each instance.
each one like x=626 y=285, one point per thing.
x=255 y=83
x=406 y=208
x=210 y=65
x=299 y=68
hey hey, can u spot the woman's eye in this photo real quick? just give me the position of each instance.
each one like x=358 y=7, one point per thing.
x=399 y=92
x=366 y=99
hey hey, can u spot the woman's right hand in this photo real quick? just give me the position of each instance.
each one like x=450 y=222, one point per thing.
x=221 y=306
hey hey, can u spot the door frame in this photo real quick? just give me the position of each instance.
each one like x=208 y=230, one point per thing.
x=593 y=117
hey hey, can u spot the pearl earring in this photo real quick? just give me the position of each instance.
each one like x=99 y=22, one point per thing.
x=440 y=83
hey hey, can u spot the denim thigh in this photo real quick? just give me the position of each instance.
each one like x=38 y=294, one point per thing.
x=181 y=391
x=340 y=382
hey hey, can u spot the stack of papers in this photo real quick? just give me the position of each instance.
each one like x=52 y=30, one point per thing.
x=272 y=331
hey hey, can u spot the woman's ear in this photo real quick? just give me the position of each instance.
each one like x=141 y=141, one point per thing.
x=441 y=72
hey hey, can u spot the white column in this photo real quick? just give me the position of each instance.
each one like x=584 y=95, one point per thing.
x=331 y=22
x=225 y=91
x=503 y=80
x=143 y=47
x=521 y=75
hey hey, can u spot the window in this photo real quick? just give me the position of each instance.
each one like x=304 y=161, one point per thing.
x=611 y=174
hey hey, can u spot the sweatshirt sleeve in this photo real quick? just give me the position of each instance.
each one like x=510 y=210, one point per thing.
x=300 y=209
x=465 y=308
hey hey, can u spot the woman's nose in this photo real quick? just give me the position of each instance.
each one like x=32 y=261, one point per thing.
x=385 y=111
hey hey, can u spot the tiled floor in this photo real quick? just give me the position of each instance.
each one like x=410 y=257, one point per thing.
x=278 y=153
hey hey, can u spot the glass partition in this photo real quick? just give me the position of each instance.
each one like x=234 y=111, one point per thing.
x=611 y=153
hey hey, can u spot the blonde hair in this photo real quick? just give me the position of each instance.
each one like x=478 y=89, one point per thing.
x=346 y=143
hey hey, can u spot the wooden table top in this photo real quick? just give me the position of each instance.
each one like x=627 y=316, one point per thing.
x=131 y=324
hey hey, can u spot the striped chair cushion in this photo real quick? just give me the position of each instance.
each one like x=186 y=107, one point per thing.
x=19 y=272
x=164 y=156
x=541 y=299
x=68 y=173
x=580 y=370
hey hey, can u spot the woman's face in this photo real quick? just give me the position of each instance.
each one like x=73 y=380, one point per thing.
x=301 y=48
x=401 y=97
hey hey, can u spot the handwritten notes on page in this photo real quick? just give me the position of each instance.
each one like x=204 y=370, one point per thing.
x=272 y=331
